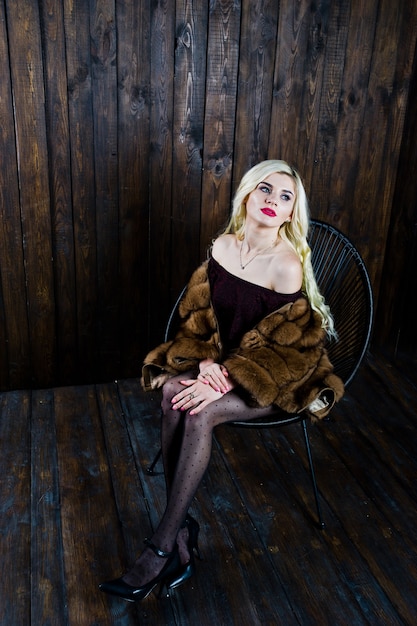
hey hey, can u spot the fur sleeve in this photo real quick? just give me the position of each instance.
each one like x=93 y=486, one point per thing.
x=283 y=361
x=197 y=337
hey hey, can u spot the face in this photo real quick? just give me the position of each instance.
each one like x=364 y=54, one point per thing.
x=271 y=203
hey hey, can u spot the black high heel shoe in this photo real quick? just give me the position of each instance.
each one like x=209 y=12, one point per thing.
x=118 y=587
x=186 y=570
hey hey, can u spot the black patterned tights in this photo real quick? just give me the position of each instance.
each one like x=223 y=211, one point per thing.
x=186 y=450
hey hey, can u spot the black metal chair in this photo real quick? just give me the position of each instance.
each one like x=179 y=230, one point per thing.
x=344 y=282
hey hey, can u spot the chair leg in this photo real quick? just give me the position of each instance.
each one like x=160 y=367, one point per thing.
x=312 y=473
x=151 y=468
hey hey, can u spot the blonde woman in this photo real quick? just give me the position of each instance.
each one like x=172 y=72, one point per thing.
x=251 y=339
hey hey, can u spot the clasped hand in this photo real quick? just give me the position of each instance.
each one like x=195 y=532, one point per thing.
x=195 y=396
x=210 y=384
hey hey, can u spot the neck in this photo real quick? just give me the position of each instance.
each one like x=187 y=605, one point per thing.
x=258 y=241
x=253 y=251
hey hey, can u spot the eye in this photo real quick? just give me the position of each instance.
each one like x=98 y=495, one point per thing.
x=265 y=188
x=286 y=197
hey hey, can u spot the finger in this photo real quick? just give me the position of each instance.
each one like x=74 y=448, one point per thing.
x=219 y=383
x=199 y=407
x=188 y=382
x=202 y=404
x=184 y=402
x=183 y=394
x=212 y=378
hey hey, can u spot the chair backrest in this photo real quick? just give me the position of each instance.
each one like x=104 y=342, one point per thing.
x=344 y=282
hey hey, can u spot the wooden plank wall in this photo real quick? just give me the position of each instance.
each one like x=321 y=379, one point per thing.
x=125 y=127
x=396 y=328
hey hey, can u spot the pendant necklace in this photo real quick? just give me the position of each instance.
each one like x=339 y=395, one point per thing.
x=242 y=265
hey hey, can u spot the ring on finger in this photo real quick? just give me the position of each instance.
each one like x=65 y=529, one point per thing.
x=191 y=396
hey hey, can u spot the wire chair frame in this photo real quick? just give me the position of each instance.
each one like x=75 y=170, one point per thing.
x=344 y=282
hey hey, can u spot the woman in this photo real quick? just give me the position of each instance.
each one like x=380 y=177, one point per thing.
x=251 y=339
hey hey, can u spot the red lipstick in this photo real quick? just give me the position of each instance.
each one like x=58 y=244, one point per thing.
x=269 y=212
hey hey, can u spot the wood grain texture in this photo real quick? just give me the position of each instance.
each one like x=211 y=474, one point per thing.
x=376 y=154
x=62 y=225
x=188 y=126
x=80 y=106
x=395 y=326
x=48 y=599
x=330 y=98
x=343 y=169
x=26 y=66
x=15 y=351
x=159 y=227
x=76 y=504
x=257 y=50
x=15 y=507
x=219 y=135
x=104 y=91
x=287 y=113
x=133 y=136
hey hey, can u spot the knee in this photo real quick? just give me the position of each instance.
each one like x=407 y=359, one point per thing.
x=169 y=390
x=198 y=423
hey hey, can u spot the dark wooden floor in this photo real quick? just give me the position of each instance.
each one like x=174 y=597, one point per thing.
x=76 y=504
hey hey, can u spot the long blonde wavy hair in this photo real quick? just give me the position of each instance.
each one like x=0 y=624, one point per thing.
x=294 y=232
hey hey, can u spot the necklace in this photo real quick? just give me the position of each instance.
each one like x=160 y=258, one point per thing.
x=254 y=256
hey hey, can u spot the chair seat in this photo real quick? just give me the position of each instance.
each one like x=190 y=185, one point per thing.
x=278 y=418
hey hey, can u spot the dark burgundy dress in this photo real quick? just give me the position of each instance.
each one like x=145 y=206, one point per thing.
x=239 y=305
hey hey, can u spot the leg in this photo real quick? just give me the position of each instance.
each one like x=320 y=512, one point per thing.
x=171 y=428
x=191 y=464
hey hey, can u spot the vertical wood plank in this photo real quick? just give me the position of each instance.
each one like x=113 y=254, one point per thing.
x=131 y=525
x=60 y=187
x=29 y=100
x=257 y=53
x=48 y=595
x=312 y=81
x=188 y=129
x=15 y=348
x=4 y=357
x=376 y=154
x=352 y=105
x=77 y=42
x=104 y=90
x=319 y=175
x=14 y=510
x=122 y=415
x=395 y=327
x=403 y=253
x=219 y=133
x=88 y=514
x=134 y=101
x=160 y=159
x=287 y=114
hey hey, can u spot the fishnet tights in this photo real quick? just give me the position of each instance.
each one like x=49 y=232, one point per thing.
x=186 y=451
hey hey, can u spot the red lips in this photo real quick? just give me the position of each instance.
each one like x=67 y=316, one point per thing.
x=269 y=212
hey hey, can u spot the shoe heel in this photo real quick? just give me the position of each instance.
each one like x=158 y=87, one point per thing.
x=193 y=531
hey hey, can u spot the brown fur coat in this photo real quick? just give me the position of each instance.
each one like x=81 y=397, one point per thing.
x=282 y=361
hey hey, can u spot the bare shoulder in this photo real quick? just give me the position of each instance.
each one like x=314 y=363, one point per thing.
x=286 y=272
x=222 y=246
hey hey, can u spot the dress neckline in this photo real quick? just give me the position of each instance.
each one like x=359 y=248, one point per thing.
x=254 y=285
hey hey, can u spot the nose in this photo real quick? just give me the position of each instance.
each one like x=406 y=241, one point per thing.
x=271 y=200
